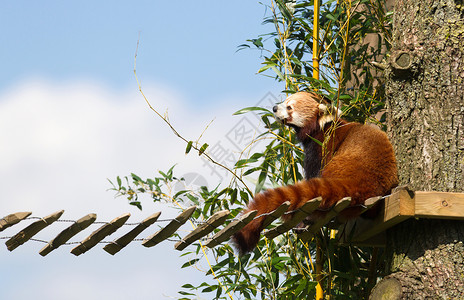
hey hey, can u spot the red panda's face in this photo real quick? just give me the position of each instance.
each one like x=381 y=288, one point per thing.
x=302 y=109
x=298 y=110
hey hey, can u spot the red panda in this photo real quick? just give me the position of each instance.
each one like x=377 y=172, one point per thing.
x=355 y=161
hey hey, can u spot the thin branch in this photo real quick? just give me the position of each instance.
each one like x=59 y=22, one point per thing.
x=166 y=120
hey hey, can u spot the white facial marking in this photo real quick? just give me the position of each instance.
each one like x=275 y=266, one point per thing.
x=281 y=113
x=297 y=120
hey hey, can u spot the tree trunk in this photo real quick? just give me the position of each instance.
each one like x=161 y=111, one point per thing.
x=425 y=119
x=425 y=94
x=426 y=261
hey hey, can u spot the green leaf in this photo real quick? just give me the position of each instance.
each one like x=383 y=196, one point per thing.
x=315 y=140
x=190 y=263
x=189 y=147
x=244 y=196
x=209 y=289
x=186 y=294
x=257 y=42
x=261 y=181
x=136 y=204
x=284 y=10
x=243 y=162
x=279 y=74
x=261 y=70
x=203 y=148
x=248 y=109
x=136 y=178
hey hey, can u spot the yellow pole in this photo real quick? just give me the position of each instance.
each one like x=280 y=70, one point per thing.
x=319 y=291
x=316 y=40
x=319 y=262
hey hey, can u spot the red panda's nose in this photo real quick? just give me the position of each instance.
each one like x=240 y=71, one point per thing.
x=274 y=109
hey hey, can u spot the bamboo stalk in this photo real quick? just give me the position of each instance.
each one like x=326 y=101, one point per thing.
x=319 y=261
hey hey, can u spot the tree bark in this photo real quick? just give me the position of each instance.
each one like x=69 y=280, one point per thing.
x=425 y=121
x=425 y=94
x=426 y=260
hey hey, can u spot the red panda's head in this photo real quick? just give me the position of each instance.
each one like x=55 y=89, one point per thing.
x=304 y=109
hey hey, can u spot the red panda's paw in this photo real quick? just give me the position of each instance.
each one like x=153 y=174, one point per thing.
x=314 y=217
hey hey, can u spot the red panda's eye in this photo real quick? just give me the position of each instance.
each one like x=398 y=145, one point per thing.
x=289 y=107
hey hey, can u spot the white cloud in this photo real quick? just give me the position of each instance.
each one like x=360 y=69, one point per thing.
x=59 y=144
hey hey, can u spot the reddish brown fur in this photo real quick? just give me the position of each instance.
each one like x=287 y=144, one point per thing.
x=359 y=163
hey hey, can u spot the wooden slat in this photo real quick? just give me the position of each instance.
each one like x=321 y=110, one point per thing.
x=346 y=230
x=167 y=231
x=369 y=203
x=68 y=233
x=31 y=230
x=296 y=219
x=439 y=205
x=99 y=234
x=230 y=229
x=13 y=219
x=312 y=229
x=352 y=211
x=212 y=223
x=275 y=214
x=398 y=207
x=115 y=246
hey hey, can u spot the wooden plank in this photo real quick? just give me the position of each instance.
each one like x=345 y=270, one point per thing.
x=400 y=203
x=99 y=234
x=369 y=203
x=332 y=213
x=115 y=246
x=279 y=211
x=296 y=219
x=68 y=233
x=346 y=230
x=167 y=231
x=209 y=225
x=439 y=205
x=351 y=211
x=31 y=230
x=13 y=219
x=398 y=207
x=230 y=229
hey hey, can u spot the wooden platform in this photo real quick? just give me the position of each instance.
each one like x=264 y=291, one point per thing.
x=402 y=204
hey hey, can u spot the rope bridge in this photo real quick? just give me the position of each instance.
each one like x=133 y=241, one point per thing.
x=397 y=207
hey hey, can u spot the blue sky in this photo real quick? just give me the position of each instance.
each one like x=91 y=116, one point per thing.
x=71 y=116
x=187 y=45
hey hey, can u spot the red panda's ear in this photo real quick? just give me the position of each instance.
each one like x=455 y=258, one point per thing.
x=322 y=109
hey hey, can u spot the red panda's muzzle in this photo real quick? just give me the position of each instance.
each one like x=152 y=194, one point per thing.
x=280 y=113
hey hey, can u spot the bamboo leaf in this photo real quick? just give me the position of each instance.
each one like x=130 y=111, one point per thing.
x=203 y=148
x=189 y=147
x=248 y=109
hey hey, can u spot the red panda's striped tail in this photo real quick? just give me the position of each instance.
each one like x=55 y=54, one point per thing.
x=331 y=190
